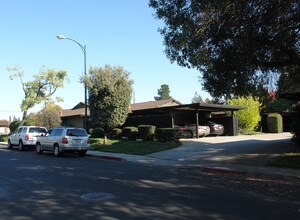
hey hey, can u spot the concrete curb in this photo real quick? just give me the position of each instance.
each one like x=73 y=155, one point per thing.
x=106 y=157
x=224 y=171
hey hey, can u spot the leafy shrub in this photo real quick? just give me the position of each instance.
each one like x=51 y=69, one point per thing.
x=97 y=133
x=274 y=122
x=248 y=118
x=146 y=132
x=167 y=134
x=117 y=133
x=130 y=133
x=4 y=138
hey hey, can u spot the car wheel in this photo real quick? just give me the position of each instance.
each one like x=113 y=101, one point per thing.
x=38 y=148
x=189 y=134
x=82 y=153
x=56 y=151
x=21 y=145
x=9 y=145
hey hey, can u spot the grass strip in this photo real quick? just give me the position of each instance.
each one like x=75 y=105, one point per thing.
x=130 y=147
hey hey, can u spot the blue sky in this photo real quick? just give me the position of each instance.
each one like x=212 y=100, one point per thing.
x=115 y=32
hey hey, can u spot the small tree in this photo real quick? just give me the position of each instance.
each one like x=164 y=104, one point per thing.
x=248 y=118
x=48 y=118
x=197 y=98
x=163 y=93
x=110 y=92
x=41 y=88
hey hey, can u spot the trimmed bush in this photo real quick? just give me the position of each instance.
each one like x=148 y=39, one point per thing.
x=4 y=138
x=167 y=134
x=97 y=133
x=130 y=133
x=274 y=122
x=146 y=132
x=117 y=133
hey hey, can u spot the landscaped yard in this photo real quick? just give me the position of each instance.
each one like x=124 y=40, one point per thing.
x=131 y=147
x=287 y=160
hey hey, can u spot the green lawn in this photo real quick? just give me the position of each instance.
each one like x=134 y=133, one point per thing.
x=130 y=147
x=287 y=160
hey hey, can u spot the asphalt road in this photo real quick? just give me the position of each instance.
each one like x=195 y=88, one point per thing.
x=45 y=187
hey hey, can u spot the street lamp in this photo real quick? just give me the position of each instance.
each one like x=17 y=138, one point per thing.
x=83 y=48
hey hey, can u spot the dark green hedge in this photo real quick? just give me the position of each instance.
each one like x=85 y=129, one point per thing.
x=146 y=132
x=97 y=133
x=167 y=134
x=130 y=133
x=274 y=121
x=117 y=133
x=296 y=124
x=3 y=137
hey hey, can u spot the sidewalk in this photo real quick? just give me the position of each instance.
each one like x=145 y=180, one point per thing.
x=206 y=167
x=218 y=155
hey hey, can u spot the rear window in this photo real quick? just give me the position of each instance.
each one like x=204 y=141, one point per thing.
x=37 y=130
x=76 y=132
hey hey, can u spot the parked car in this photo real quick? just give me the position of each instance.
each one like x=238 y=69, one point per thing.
x=215 y=129
x=190 y=131
x=25 y=136
x=64 y=139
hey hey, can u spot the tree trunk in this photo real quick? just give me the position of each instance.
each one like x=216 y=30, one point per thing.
x=24 y=115
x=105 y=139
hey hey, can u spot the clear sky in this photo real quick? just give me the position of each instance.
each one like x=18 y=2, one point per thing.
x=115 y=32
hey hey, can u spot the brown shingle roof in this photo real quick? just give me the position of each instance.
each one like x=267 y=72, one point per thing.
x=74 y=112
x=154 y=104
x=4 y=123
x=133 y=107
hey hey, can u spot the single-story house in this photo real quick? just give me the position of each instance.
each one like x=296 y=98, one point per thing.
x=4 y=127
x=166 y=113
x=74 y=117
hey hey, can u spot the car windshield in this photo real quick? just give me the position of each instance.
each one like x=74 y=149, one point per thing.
x=76 y=132
x=37 y=130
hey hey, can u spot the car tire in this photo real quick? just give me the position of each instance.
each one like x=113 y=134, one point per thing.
x=56 y=151
x=38 y=148
x=82 y=153
x=21 y=145
x=189 y=134
x=9 y=145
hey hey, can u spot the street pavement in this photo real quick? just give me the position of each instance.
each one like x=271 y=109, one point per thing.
x=243 y=154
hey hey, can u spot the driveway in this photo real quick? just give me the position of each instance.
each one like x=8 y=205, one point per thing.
x=243 y=149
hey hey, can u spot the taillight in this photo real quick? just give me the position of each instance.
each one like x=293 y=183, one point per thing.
x=65 y=140
x=89 y=141
x=27 y=137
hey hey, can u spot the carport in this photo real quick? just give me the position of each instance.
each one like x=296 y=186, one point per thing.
x=172 y=116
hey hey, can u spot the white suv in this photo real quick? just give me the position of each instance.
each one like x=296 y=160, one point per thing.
x=25 y=136
x=63 y=139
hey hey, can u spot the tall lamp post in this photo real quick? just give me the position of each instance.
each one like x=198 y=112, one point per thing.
x=83 y=48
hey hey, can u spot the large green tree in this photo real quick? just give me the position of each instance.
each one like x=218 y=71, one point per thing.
x=110 y=91
x=233 y=43
x=40 y=88
x=163 y=93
